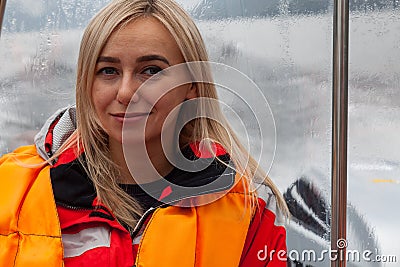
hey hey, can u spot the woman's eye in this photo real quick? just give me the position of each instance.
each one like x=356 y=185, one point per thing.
x=107 y=71
x=152 y=70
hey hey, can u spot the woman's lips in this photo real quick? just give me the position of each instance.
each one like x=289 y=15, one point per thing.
x=130 y=117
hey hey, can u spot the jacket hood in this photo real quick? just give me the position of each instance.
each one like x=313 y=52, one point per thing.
x=55 y=131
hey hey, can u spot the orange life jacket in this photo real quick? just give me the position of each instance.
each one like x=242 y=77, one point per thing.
x=30 y=233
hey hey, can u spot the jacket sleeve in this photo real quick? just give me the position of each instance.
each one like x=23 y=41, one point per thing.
x=265 y=243
x=30 y=233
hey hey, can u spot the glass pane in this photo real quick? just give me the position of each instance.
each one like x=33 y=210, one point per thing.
x=38 y=50
x=374 y=123
x=285 y=47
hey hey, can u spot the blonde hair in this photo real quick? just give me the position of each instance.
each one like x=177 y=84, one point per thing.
x=90 y=136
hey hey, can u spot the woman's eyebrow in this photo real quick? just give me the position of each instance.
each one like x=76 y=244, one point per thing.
x=153 y=57
x=108 y=59
x=138 y=60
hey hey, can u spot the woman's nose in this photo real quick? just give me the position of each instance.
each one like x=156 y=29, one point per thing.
x=127 y=91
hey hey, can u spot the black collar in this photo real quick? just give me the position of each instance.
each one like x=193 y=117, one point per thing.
x=73 y=188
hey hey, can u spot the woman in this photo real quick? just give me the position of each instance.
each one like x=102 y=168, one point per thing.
x=73 y=199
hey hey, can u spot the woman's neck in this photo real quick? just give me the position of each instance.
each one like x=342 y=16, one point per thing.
x=139 y=160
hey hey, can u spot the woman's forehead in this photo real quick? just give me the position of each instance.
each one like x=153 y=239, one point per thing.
x=143 y=29
x=142 y=35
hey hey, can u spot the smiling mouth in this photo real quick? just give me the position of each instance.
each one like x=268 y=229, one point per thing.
x=130 y=115
x=122 y=117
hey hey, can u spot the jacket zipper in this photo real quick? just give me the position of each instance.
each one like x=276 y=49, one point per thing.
x=72 y=207
x=141 y=221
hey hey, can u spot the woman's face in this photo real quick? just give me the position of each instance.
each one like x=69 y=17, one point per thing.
x=132 y=55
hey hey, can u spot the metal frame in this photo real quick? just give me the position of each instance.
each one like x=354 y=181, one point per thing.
x=339 y=130
x=2 y=9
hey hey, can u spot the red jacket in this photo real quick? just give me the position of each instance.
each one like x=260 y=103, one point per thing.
x=82 y=232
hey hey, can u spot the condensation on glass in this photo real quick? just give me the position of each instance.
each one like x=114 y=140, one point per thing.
x=38 y=50
x=374 y=124
x=285 y=47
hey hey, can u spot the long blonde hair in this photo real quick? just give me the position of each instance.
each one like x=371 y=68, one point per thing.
x=90 y=136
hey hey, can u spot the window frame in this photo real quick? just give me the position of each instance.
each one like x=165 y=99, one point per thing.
x=339 y=126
